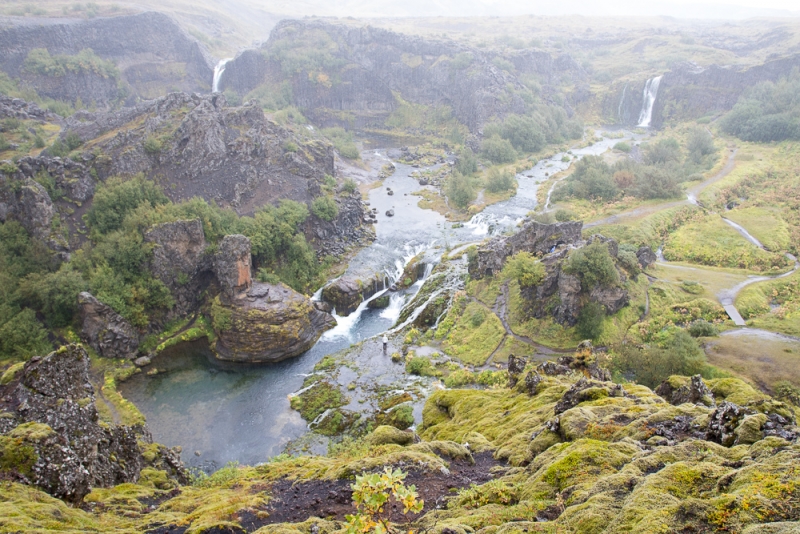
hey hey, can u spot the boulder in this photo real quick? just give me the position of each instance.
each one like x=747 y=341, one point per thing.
x=106 y=331
x=390 y=213
x=345 y=294
x=646 y=256
x=232 y=264
x=266 y=324
x=613 y=299
x=724 y=421
x=677 y=390
x=515 y=368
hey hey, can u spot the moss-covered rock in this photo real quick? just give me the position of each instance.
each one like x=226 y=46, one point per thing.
x=384 y=435
x=267 y=323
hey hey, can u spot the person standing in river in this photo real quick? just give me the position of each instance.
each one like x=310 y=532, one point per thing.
x=385 y=343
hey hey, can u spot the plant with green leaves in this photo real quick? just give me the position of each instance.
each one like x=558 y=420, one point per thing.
x=372 y=492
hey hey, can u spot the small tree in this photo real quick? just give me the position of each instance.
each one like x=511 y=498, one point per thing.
x=590 y=321
x=523 y=267
x=459 y=190
x=325 y=208
x=594 y=264
x=499 y=181
x=371 y=493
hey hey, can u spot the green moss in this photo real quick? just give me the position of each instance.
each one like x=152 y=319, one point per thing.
x=11 y=373
x=384 y=435
x=17 y=452
x=475 y=334
x=318 y=398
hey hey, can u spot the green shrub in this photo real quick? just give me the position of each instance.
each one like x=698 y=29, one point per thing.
x=590 y=321
x=766 y=112
x=152 y=145
x=421 y=366
x=343 y=141
x=678 y=355
x=499 y=181
x=466 y=163
x=267 y=277
x=702 y=328
x=459 y=190
x=459 y=377
x=525 y=269
x=498 y=150
x=350 y=186
x=622 y=146
x=115 y=199
x=564 y=215
x=594 y=264
x=325 y=208
x=23 y=336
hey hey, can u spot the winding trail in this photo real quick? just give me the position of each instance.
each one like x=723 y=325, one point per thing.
x=500 y=309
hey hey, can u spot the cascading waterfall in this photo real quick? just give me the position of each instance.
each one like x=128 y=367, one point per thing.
x=621 y=102
x=218 y=70
x=648 y=101
x=345 y=326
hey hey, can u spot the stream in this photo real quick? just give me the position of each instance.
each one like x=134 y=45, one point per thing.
x=221 y=413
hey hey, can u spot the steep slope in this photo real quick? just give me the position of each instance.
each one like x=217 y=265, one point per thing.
x=337 y=70
x=147 y=55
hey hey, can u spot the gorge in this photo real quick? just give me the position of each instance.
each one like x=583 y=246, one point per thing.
x=463 y=254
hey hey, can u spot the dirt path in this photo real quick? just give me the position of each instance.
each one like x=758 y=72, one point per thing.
x=500 y=309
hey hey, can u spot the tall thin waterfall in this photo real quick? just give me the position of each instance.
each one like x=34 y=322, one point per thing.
x=218 y=70
x=648 y=100
x=621 y=102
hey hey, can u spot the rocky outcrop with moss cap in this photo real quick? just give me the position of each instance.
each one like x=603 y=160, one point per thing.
x=51 y=435
x=267 y=323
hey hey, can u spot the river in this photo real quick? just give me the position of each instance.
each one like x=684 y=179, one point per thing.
x=219 y=414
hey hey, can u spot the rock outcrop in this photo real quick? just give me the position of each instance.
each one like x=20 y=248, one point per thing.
x=534 y=237
x=50 y=426
x=151 y=52
x=200 y=147
x=26 y=201
x=369 y=65
x=689 y=91
x=232 y=265
x=105 y=330
x=180 y=261
x=266 y=324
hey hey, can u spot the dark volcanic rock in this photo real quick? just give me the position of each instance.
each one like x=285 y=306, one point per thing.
x=268 y=323
x=695 y=392
x=179 y=260
x=376 y=63
x=646 y=256
x=27 y=202
x=105 y=330
x=723 y=422
x=533 y=237
x=232 y=264
x=51 y=413
x=345 y=294
x=515 y=368
x=152 y=52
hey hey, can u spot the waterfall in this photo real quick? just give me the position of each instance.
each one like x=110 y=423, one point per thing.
x=218 y=70
x=621 y=102
x=648 y=100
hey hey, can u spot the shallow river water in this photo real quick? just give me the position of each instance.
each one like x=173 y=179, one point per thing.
x=241 y=413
